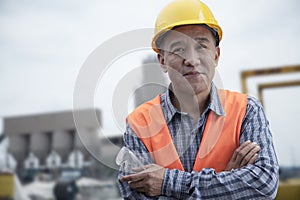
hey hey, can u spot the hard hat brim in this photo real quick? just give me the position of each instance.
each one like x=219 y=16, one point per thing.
x=160 y=35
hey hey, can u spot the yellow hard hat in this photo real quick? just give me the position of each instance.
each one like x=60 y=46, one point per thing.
x=184 y=12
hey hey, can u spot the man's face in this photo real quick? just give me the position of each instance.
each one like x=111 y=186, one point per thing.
x=189 y=57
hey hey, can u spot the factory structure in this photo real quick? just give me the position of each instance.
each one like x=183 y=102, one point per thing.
x=153 y=80
x=50 y=143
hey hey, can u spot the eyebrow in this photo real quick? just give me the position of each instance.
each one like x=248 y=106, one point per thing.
x=202 y=39
x=199 y=39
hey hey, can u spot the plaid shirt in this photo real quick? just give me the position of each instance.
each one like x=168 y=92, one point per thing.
x=257 y=181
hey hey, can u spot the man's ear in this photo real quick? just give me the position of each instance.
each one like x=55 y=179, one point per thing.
x=217 y=55
x=161 y=61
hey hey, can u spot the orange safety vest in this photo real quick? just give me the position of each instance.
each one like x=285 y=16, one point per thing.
x=220 y=138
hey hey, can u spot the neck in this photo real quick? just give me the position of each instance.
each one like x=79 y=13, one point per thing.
x=193 y=104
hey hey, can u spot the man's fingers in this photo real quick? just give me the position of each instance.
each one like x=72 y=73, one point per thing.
x=140 y=173
x=236 y=152
x=139 y=169
x=245 y=154
x=148 y=181
x=132 y=178
x=249 y=157
x=252 y=160
x=140 y=187
x=242 y=153
x=137 y=185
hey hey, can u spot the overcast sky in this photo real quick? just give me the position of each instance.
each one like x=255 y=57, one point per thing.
x=45 y=43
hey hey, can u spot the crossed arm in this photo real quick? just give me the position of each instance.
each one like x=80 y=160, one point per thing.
x=252 y=173
x=149 y=178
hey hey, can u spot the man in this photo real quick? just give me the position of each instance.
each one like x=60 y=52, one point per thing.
x=203 y=142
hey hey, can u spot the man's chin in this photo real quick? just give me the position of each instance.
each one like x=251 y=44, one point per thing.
x=195 y=89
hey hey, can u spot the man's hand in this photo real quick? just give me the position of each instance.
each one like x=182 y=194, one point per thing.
x=245 y=154
x=147 y=180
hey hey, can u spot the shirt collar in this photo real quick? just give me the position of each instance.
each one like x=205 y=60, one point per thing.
x=170 y=110
x=215 y=101
x=214 y=104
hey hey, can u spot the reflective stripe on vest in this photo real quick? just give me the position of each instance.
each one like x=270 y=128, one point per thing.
x=221 y=135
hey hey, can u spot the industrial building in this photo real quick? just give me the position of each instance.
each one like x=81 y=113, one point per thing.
x=49 y=141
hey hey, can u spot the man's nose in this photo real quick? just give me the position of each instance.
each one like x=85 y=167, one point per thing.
x=191 y=58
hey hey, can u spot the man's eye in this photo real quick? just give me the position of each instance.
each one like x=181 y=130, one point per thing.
x=199 y=47
x=177 y=50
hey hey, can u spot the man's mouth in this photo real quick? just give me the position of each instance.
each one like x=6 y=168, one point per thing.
x=191 y=74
